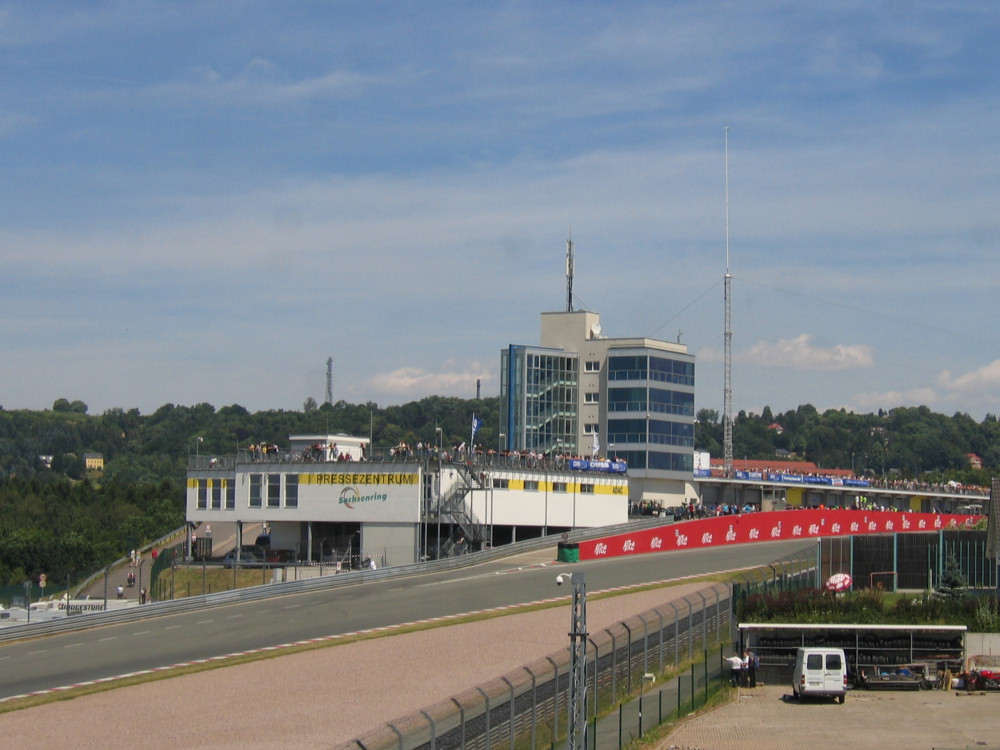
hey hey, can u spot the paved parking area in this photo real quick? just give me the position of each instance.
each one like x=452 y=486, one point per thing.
x=762 y=720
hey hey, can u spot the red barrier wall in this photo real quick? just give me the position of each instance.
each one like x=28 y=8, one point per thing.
x=767 y=527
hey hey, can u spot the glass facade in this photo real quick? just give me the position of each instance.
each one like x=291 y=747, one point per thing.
x=650 y=406
x=540 y=388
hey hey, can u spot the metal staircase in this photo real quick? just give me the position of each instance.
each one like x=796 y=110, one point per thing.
x=473 y=532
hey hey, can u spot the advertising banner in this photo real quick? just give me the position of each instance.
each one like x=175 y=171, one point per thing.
x=768 y=527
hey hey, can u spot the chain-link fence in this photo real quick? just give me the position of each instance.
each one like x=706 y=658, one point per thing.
x=528 y=708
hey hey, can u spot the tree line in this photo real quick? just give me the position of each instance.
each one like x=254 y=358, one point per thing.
x=57 y=517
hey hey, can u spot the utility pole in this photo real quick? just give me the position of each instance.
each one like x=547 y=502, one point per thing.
x=577 y=739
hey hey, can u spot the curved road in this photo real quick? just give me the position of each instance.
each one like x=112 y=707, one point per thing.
x=80 y=656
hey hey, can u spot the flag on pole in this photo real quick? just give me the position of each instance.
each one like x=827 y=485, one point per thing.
x=595 y=446
x=476 y=424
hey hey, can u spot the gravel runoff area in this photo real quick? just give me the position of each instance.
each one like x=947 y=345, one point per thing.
x=315 y=699
x=321 y=698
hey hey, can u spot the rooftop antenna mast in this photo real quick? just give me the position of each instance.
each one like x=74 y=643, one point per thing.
x=727 y=414
x=329 y=380
x=569 y=272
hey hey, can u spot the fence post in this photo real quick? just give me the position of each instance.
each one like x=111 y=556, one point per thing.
x=704 y=620
x=659 y=648
x=645 y=648
x=534 y=709
x=596 y=655
x=433 y=731
x=706 y=675
x=555 y=700
x=628 y=662
x=461 y=723
x=511 y=686
x=690 y=629
x=614 y=666
x=482 y=692
x=398 y=734
x=676 y=635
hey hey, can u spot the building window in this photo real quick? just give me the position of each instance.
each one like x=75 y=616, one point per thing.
x=558 y=486
x=592 y=398
x=589 y=428
x=531 y=485
x=586 y=489
x=291 y=490
x=500 y=484
x=273 y=490
x=255 y=485
x=592 y=366
x=216 y=495
x=202 y=495
x=230 y=486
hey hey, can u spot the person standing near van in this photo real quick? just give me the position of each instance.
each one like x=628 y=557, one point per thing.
x=752 y=663
x=735 y=668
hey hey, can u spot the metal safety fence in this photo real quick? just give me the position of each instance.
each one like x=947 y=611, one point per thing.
x=528 y=708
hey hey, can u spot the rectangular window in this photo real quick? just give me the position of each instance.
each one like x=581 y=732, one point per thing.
x=202 y=495
x=591 y=398
x=273 y=490
x=592 y=366
x=589 y=428
x=230 y=494
x=586 y=489
x=255 y=486
x=500 y=484
x=558 y=486
x=291 y=490
x=531 y=485
x=216 y=495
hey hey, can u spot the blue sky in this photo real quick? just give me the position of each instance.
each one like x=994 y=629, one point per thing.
x=202 y=201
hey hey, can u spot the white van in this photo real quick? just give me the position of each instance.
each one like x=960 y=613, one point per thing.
x=820 y=672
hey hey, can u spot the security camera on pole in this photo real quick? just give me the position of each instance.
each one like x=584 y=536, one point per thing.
x=577 y=739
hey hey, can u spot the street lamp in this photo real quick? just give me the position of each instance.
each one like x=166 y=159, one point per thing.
x=500 y=439
x=577 y=739
x=197 y=445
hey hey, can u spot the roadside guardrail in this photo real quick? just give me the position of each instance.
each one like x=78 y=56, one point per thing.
x=285 y=588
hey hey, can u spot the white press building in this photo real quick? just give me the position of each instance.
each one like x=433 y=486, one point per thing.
x=330 y=497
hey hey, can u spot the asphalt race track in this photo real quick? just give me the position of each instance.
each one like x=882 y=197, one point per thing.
x=80 y=656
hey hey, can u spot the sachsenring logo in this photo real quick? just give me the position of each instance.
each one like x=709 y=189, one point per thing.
x=349 y=497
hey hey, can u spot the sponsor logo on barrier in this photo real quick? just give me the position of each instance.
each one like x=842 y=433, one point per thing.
x=813 y=523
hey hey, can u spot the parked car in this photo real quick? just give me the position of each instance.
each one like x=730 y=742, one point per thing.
x=246 y=559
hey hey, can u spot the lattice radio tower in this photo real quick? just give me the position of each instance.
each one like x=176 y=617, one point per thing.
x=329 y=380
x=727 y=413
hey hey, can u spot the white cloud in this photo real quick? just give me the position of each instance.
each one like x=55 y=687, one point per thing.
x=975 y=382
x=873 y=401
x=415 y=383
x=799 y=354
